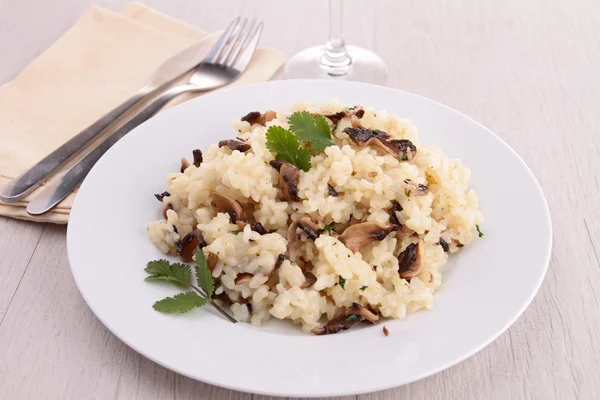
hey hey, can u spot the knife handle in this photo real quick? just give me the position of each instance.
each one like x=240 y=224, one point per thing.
x=33 y=177
x=58 y=190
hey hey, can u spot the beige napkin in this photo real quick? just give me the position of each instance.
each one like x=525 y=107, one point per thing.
x=96 y=65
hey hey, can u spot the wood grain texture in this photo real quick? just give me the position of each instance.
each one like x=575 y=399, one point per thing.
x=527 y=70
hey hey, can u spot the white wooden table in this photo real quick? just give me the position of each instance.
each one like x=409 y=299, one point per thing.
x=528 y=70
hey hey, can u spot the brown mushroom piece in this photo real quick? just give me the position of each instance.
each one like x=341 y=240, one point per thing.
x=410 y=261
x=331 y=191
x=359 y=235
x=346 y=318
x=309 y=225
x=225 y=204
x=161 y=196
x=402 y=149
x=243 y=278
x=211 y=261
x=310 y=280
x=186 y=247
x=444 y=245
x=258 y=228
x=288 y=179
x=355 y=111
x=184 y=164
x=255 y=117
x=415 y=189
x=238 y=144
x=396 y=208
x=197 y=153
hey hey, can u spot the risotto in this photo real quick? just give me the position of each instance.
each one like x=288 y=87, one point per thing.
x=360 y=235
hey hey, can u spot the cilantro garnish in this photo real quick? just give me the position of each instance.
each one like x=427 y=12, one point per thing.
x=235 y=232
x=342 y=282
x=311 y=129
x=178 y=273
x=479 y=231
x=362 y=289
x=287 y=147
x=353 y=318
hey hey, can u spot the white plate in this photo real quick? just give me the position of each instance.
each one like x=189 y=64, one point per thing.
x=486 y=286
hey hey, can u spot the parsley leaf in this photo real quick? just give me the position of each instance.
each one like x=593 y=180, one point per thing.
x=180 y=303
x=235 y=232
x=287 y=147
x=311 y=129
x=164 y=270
x=479 y=231
x=203 y=274
x=342 y=282
x=362 y=289
x=353 y=318
x=328 y=229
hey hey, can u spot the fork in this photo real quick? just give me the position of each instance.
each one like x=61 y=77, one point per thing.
x=224 y=63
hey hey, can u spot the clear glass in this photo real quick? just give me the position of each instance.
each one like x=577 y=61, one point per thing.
x=336 y=60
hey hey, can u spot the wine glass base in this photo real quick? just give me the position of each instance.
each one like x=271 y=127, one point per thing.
x=364 y=66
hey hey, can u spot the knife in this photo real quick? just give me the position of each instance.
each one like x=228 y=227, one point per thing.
x=165 y=75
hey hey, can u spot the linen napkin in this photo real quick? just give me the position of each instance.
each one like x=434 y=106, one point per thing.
x=95 y=66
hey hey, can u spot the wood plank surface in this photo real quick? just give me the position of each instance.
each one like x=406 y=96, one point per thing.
x=530 y=71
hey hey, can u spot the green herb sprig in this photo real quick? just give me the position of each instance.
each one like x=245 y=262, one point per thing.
x=180 y=274
x=304 y=127
x=287 y=147
x=342 y=282
x=479 y=231
x=310 y=129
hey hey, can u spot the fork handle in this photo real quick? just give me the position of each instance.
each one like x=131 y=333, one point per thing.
x=60 y=188
x=33 y=177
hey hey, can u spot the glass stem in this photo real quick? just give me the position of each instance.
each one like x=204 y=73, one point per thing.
x=336 y=56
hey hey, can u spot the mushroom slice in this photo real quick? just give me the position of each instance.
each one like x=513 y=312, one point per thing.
x=308 y=225
x=415 y=189
x=161 y=196
x=269 y=115
x=258 y=228
x=355 y=111
x=280 y=260
x=331 y=191
x=255 y=117
x=364 y=137
x=396 y=208
x=273 y=275
x=186 y=247
x=184 y=164
x=238 y=144
x=346 y=318
x=243 y=278
x=444 y=245
x=288 y=179
x=221 y=203
x=211 y=261
x=411 y=260
x=197 y=157
x=359 y=235
x=310 y=280
x=402 y=149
